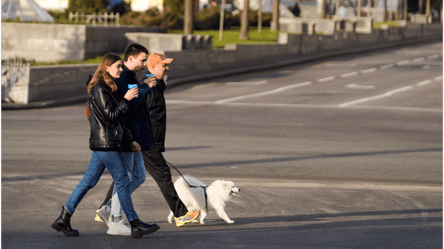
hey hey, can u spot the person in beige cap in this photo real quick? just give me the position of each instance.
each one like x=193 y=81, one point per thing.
x=154 y=161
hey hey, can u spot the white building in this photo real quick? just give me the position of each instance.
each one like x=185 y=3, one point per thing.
x=143 y=5
x=60 y=5
x=136 y=5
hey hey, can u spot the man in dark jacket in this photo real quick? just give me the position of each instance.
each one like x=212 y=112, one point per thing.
x=154 y=161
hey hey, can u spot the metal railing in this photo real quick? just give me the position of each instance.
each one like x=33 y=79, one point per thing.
x=95 y=19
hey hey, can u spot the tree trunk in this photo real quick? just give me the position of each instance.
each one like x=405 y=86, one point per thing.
x=384 y=15
x=405 y=10
x=427 y=12
x=275 y=18
x=244 y=21
x=188 y=18
x=421 y=9
x=337 y=8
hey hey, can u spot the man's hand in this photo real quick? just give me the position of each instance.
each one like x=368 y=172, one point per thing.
x=135 y=146
x=151 y=81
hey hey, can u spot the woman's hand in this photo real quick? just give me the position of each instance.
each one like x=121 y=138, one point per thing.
x=132 y=93
x=151 y=81
x=135 y=146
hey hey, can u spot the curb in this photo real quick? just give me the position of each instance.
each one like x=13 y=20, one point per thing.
x=178 y=82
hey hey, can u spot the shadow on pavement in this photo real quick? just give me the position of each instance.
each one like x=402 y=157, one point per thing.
x=299 y=158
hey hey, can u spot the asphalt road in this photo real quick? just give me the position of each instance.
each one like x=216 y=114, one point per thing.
x=337 y=153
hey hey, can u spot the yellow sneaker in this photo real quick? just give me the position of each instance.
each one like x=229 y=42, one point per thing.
x=187 y=218
x=97 y=218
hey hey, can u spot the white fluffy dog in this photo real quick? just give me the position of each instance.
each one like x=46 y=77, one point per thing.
x=194 y=198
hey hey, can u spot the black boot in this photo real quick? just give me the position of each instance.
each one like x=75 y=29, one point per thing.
x=138 y=228
x=63 y=223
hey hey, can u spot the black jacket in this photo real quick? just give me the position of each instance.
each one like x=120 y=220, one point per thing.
x=157 y=105
x=106 y=117
x=137 y=119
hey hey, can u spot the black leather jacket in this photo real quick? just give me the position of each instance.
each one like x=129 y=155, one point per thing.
x=106 y=115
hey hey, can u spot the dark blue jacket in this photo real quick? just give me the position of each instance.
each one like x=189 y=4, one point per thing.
x=137 y=118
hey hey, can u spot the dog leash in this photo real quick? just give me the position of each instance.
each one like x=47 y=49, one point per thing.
x=191 y=186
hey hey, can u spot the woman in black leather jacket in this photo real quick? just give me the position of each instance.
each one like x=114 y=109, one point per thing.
x=107 y=131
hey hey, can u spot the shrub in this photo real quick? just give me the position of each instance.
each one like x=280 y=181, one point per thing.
x=152 y=17
x=209 y=18
x=87 y=6
x=252 y=18
x=174 y=7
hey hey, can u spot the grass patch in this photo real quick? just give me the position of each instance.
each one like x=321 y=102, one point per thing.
x=377 y=25
x=232 y=36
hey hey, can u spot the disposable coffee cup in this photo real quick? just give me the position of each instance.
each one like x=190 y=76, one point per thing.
x=131 y=86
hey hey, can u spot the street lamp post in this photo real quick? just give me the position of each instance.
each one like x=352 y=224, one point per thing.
x=221 y=22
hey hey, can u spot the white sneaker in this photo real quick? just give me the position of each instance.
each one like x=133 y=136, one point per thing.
x=118 y=228
x=104 y=214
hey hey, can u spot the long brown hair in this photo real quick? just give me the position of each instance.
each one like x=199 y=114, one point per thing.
x=102 y=74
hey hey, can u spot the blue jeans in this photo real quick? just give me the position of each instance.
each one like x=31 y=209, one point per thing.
x=113 y=161
x=136 y=173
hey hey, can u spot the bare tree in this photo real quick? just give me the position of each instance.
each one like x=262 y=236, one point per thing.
x=275 y=17
x=405 y=10
x=188 y=19
x=384 y=15
x=244 y=21
x=427 y=11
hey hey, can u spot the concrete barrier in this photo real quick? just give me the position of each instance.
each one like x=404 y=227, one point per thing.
x=326 y=26
x=159 y=43
x=55 y=42
x=51 y=83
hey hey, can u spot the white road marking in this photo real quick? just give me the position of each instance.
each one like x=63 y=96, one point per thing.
x=339 y=64
x=354 y=86
x=386 y=66
x=400 y=63
x=387 y=94
x=431 y=57
x=281 y=89
x=371 y=70
x=273 y=105
x=426 y=67
x=258 y=83
x=438 y=78
x=418 y=59
x=188 y=102
x=347 y=75
x=334 y=185
x=423 y=83
x=329 y=210
x=326 y=79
